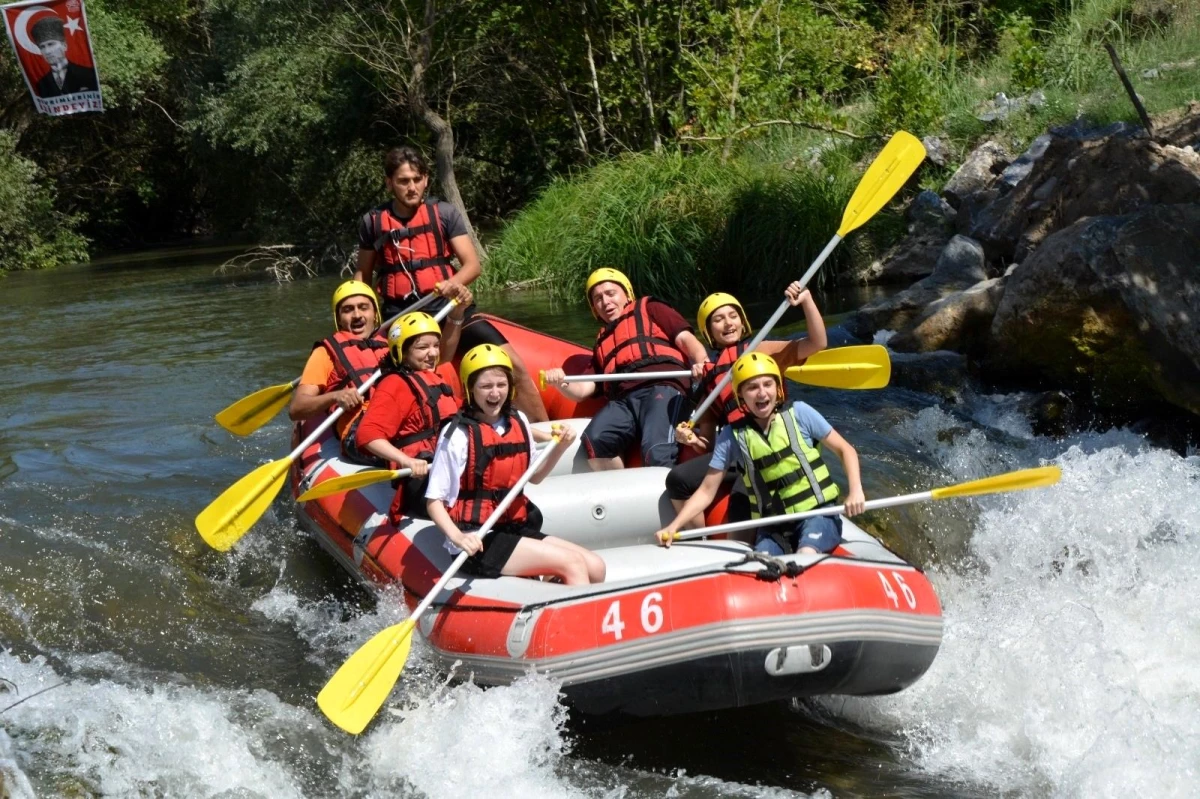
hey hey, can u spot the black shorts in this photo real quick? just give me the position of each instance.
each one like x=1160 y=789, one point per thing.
x=498 y=546
x=685 y=478
x=476 y=330
x=497 y=549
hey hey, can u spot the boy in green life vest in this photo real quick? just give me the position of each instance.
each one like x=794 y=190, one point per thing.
x=779 y=450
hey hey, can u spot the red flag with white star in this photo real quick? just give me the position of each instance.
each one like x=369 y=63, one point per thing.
x=54 y=49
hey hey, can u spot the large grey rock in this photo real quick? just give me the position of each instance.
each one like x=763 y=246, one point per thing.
x=1072 y=180
x=943 y=374
x=931 y=224
x=960 y=322
x=959 y=265
x=977 y=173
x=1109 y=306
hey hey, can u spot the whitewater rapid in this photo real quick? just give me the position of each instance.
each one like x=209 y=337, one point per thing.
x=1070 y=665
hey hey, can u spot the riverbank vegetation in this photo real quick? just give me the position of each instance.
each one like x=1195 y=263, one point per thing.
x=701 y=143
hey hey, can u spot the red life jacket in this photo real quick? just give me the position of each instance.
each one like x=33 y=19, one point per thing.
x=726 y=406
x=436 y=403
x=415 y=258
x=494 y=464
x=632 y=341
x=354 y=359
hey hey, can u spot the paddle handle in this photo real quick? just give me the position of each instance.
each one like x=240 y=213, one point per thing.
x=482 y=532
x=732 y=527
x=361 y=390
x=766 y=328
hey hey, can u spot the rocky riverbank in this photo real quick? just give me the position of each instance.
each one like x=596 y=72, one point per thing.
x=1073 y=267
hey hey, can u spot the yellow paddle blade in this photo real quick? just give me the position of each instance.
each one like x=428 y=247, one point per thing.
x=895 y=163
x=860 y=367
x=231 y=515
x=1009 y=481
x=250 y=413
x=350 y=482
x=355 y=693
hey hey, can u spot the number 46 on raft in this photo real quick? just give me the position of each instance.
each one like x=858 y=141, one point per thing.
x=651 y=616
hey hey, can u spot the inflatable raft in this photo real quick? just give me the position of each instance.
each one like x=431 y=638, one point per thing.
x=703 y=625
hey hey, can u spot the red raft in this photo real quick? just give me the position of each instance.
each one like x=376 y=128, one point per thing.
x=703 y=625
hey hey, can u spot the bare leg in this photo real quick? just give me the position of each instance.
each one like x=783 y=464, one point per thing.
x=605 y=464
x=533 y=557
x=528 y=398
x=596 y=567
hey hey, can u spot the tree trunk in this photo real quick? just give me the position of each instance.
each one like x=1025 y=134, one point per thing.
x=655 y=136
x=587 y=38
x=443 y=133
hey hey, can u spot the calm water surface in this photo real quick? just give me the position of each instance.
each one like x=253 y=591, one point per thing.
x=1068 y=667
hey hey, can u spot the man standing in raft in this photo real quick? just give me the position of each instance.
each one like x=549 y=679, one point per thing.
x=779 y=450
x=639 y=335
x=411 y=402
x=342 y=362
x=406 y=247
x=480 y=456
x=725 y=326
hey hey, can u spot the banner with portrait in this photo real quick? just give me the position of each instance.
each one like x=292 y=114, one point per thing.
x=54 y=50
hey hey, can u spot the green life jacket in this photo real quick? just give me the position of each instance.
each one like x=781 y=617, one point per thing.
x=780 y=468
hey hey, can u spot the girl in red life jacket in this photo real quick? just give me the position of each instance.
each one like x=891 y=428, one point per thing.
x=417 y=395
x=480 y=456
x=724 y=324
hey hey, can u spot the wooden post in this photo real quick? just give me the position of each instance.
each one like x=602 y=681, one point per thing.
x=1137 y=103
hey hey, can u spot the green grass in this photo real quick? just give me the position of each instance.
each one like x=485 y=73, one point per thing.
x=679 y=226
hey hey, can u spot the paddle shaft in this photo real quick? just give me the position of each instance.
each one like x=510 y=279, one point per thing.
x=732 y=527
x=362 y=390
x=766 y=328
x=629 y=376
x=406 y=628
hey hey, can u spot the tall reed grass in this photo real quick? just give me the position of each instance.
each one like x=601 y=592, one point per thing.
x=679 y=226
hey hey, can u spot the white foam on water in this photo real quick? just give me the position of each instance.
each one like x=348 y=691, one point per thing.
x=465 y=741
x=1071 y=659
x=170 y=740
x=13 y=781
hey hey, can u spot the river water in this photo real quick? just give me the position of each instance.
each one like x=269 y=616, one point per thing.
x=1072 y=639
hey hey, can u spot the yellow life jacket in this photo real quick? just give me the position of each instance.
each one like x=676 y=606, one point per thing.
x=780 y=468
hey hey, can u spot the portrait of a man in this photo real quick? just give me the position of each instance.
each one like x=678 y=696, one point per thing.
x=65 y=76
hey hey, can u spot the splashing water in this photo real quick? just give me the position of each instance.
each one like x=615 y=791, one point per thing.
x=1069 y=661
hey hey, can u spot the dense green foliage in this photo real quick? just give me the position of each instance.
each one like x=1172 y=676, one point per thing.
x=715 y=120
